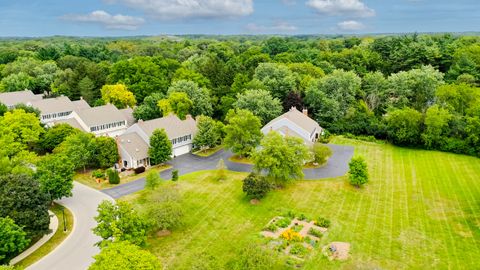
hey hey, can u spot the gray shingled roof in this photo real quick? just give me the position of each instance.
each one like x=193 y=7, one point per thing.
x=14 y=98
x=128 y=113
x=134 y=145
x=173 y=126
x=101 y=115
x=54 y=105
x=297 y=117
x=71 y=121
x=81 y=104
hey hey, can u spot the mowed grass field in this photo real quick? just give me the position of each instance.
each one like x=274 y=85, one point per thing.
x=421 y=210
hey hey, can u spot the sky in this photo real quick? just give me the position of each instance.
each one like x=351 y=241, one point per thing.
x=32 y=18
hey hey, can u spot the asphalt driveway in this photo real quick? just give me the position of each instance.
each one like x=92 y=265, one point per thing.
x=77 y=250
x=337 y=166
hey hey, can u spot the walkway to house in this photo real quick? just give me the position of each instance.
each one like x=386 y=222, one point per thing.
x=337 y=166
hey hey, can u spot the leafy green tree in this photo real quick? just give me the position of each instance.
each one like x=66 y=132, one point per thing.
x=436 y=126
x=242 y=132
x=404 y=126
x=55 y=135
x=17 y=82
x=260 y=103
x=118 y=95
x=255 y=186
x=321 y=153
x=149 y=109
x=191 y=75
x=124 y=255
x=160 y=147
x=24 y=127
x=153 y=180
x=13 y=240
x=414 y=88
x=277 y=78
x=87 y=89
x=374 y=87
x=281 y=158
x=24 y=201
x=209 y=133
x=178 y=103
x=79 y=148
x=458 y=98
x=201 y=96
x=3 y=109
x=358 y=172
x=55 y=175
x=105 y=152
x=120 y=222
x=331 y=96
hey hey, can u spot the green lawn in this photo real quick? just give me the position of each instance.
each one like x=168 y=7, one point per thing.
x=53 y=242
x=208 y=152
x=420 y=210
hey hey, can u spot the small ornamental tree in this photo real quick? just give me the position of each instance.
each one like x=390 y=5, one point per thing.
x=153 y=180
x=120 y=222
x=13 y=240
x=160 y=147
x=124 y=255
x=255 y=186
x=358 y=173
x=321 y=153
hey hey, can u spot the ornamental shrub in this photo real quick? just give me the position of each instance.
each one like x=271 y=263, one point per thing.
x=322 y=222
x=321 y=153
x=98 y=174
x=139 y=170
x=255 y=186
x=358 y=173
x=113 y=177
x=175 y=175
x=291 y=235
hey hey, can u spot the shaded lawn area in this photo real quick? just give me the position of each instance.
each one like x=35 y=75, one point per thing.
x=87 y=179
x=420 y=210
x=53 y=242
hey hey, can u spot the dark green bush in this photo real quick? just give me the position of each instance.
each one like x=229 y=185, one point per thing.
x=322 y=222
x=139 y=170
x=256 y=186
x=175 y=175
x=113 y=177
x=98 y=174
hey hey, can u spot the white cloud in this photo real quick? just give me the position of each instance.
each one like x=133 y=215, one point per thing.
x=109 y=21
x=350 y=26
x=278 y=27
x=351 y=8
x=180 y=9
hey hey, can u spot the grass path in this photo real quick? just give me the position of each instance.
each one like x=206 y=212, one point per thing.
x=421 y=210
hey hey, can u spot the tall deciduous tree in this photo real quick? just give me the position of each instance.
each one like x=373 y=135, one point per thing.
x=277 y=78
x=282 y=158
x=55 y=175
x=242 y=132
x=260 y=103
x=124 y=255
x=178 y=103
x=23 y=201
x=24 y=127
x=209 y=133
x=149 y=109
x=55 y=135
x=105 y=152
x=436 y=126
x=201 y=96
x=160 y=147
x=118 y=95
x=404 y=126
x=13 y=240
x=120 y=222
x=79 y=148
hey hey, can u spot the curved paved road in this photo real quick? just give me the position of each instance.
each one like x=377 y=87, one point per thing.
x=337 y=166
x=75 y=252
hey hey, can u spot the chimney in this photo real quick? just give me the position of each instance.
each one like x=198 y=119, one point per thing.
x=188 y=117
x=293 y=108
x=305 y=111
x=140 y=121
x=81 y=97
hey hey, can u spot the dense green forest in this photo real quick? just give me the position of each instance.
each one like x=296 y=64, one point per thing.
x=415 y=90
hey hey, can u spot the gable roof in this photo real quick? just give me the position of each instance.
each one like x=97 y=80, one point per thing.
x=71 y=121
x=53 y=105
x=299 y=118
x=128 y=113
x=81 y=104
x=101 y=115
x=14 y=98
x=134 y=145
x=174 y=126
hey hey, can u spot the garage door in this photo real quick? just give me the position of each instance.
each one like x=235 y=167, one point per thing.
x=182 y=150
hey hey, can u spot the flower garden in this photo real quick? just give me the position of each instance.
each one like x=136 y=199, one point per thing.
x=295 y=235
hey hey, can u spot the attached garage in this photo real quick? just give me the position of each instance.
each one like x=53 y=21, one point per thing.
x=182 y=150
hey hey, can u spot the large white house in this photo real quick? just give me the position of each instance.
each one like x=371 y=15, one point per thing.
x=295 y=123
x=134 y=143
